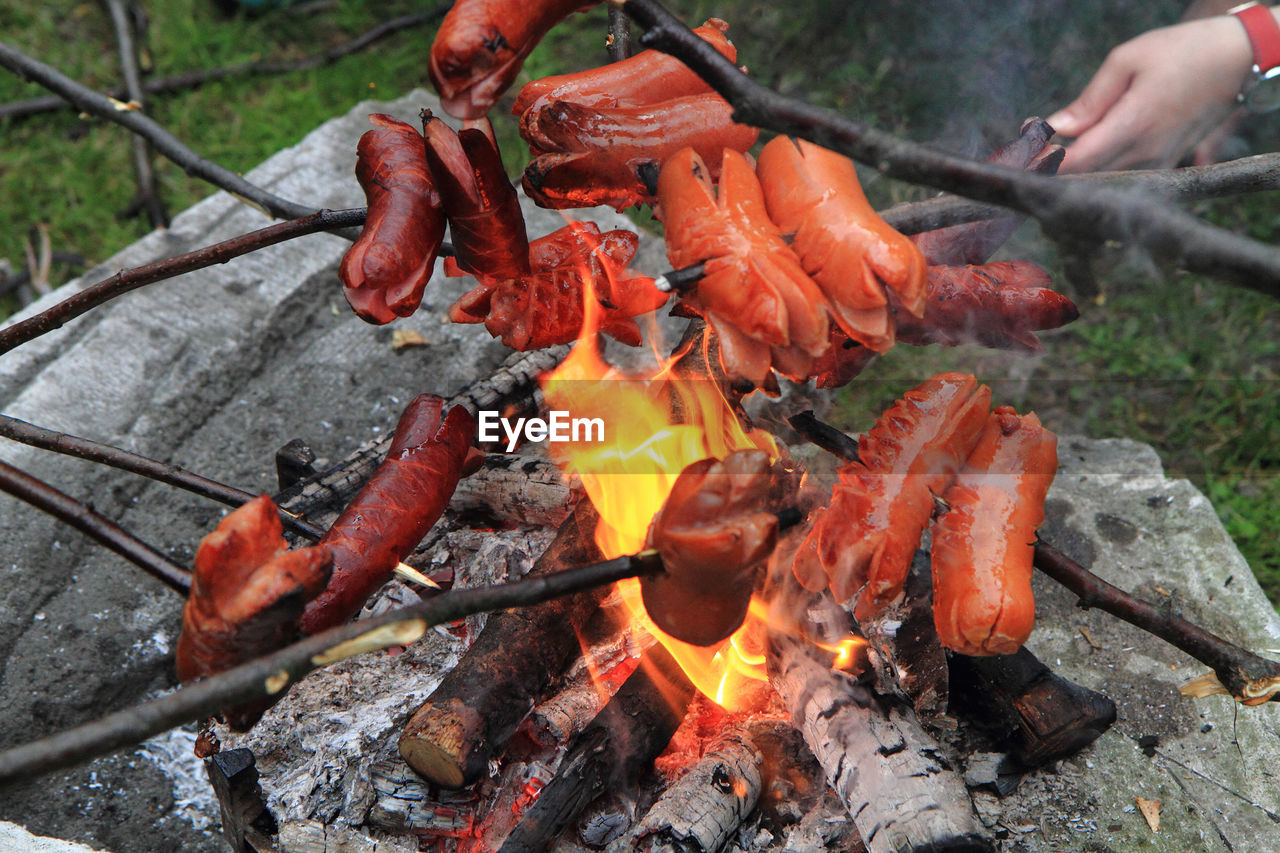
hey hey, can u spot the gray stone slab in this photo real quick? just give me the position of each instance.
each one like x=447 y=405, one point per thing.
x=1212 y=768
x=212 y=371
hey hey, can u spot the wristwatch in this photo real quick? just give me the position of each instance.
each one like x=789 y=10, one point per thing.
x=1261 y=90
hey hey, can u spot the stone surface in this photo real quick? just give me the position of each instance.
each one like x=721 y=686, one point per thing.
x=1212 y=764
x=15 y=839
x=212 y=371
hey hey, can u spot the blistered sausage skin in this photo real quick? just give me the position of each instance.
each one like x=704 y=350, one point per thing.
x=386 y=270
x=482 y=45
x=712 y=531
x=884 y=501
x=485 y=222
x=546 y=307
x=395 y=509
x=998 y=305
x=586 y=156
x=247 y=595
x=765 y=309
x=983 y=544
x=646 y=78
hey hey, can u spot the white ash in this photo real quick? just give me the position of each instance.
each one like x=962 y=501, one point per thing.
x=174 y=753
x=316 y=747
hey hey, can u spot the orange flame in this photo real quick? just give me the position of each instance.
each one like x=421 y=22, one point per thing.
x=628 y=476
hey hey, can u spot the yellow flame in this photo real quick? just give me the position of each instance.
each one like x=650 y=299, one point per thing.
x=628 y=476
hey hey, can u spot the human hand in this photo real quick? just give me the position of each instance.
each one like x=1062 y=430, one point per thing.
x=1156 y=96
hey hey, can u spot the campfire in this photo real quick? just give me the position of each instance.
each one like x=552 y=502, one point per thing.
x=580 y=722
x=703 y=634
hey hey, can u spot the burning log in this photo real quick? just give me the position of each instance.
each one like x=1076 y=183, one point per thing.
x=557 y=720
x=406 y=803
x=477 y=706
x=615 y=750
x=702 y=810
x=887 y=771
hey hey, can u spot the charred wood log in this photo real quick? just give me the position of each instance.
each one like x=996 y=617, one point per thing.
x=908 y=657
x=314 y=836
x=707 y=804
x=614 y=751
x=246 y=823
x=477 y=706
x=1026 y=707
x=294 y=463
x=888 y=772
x=588 y=686
x=517 y=488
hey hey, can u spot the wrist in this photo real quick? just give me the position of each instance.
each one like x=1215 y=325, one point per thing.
x=1260 y=85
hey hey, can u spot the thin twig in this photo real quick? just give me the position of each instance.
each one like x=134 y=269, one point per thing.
x=93 y=451
x=65 y=508
x=1258 y=173
x=11 y=282
x=1072 y=208
x=834 y=441
x=165 y=142
x=619 y=35
x=127 y=280
x=1246 y=675
x=269 y=675
x=193 y=79
x=148 y=194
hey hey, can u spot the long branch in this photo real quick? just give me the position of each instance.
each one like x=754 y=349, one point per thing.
x=1258 y=173
x=1245 y=675
x=192 y=79
x=165 y=142
x=1075 y=211
x=71 y=511
x=134 y=463
x=127 y=280
x=269 y=675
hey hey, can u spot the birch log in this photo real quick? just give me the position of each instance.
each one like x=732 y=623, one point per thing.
x=883 y=765
x=708 y=803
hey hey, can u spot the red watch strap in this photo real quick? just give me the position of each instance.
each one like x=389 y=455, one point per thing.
x=1264 y=34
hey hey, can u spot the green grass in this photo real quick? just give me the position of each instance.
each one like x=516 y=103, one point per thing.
x=1186 y=364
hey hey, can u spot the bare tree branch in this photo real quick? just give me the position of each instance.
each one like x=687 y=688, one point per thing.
x=165 y=142
x=93 y=451
x=193 y=79
x=1258 y=173
x=148 y=194
x=269 y=675
x=127 y=280
x=65 y=508
x=1070 y=210
x=1245 y=675
x=619 y=35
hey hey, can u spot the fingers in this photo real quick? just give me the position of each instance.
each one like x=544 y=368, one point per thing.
x=1111 y=143
x=1110 y=82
